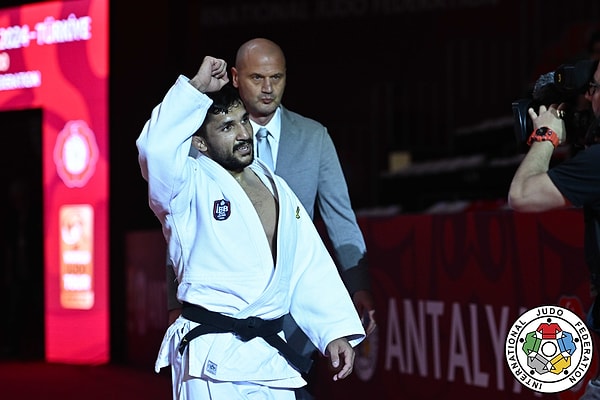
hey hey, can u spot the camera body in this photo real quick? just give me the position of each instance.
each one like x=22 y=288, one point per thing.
x=567 y=84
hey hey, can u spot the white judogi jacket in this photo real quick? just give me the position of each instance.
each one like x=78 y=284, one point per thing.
x=222 y=257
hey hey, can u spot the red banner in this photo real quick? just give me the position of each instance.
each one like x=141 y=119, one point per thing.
x=447 y=289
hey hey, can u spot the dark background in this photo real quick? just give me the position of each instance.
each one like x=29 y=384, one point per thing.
x=433 y=78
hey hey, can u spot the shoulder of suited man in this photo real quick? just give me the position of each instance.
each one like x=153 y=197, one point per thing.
x=302 y=122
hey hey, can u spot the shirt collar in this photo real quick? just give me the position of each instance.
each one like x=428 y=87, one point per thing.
x=274 y=125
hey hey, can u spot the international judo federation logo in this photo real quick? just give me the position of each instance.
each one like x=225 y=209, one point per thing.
x=221 y=209
x=549 y=349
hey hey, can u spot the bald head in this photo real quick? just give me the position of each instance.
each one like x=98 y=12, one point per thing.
x=260 y=76
x=256 y=49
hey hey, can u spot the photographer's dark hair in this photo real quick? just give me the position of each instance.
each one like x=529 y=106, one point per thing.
x=593 y=40
x=592 y=135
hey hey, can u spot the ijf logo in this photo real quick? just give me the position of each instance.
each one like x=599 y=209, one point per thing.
x=549 y=349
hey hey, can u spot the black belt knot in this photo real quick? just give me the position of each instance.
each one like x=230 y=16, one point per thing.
x=250 y=328
x=245 y=329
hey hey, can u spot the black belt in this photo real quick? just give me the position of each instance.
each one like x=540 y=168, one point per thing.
x=245 y=329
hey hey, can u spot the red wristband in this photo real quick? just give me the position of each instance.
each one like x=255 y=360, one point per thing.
x=544 y=134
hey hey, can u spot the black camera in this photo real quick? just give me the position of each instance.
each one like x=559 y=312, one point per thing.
x=567 y=84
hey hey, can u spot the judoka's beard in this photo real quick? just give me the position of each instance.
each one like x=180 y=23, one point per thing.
x=228 y=160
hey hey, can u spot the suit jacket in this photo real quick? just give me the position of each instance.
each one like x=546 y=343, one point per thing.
x=308 y=162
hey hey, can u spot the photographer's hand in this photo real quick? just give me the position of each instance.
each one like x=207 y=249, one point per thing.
x=550 y=117
x=531 y=189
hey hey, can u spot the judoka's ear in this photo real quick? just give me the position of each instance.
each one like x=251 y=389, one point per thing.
x=199 y=143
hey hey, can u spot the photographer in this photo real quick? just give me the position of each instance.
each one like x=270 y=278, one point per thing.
x=574 y=182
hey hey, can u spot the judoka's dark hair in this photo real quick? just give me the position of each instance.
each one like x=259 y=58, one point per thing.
x=223 y=101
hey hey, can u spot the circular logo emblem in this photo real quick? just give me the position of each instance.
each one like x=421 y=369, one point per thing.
x=76 y=154
x=549 y=349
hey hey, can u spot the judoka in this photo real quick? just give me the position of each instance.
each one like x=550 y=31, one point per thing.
x=244 y=251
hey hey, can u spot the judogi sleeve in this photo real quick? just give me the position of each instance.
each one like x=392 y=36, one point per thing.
x=165 y=141
x=320 y=303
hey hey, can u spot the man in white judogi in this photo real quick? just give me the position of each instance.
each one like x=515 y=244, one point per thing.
x=243 y=248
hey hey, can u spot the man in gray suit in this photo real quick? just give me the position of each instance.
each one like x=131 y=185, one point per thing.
x=301 y=151
x=304 y=155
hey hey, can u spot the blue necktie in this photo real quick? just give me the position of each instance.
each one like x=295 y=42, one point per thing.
x=264 y=148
